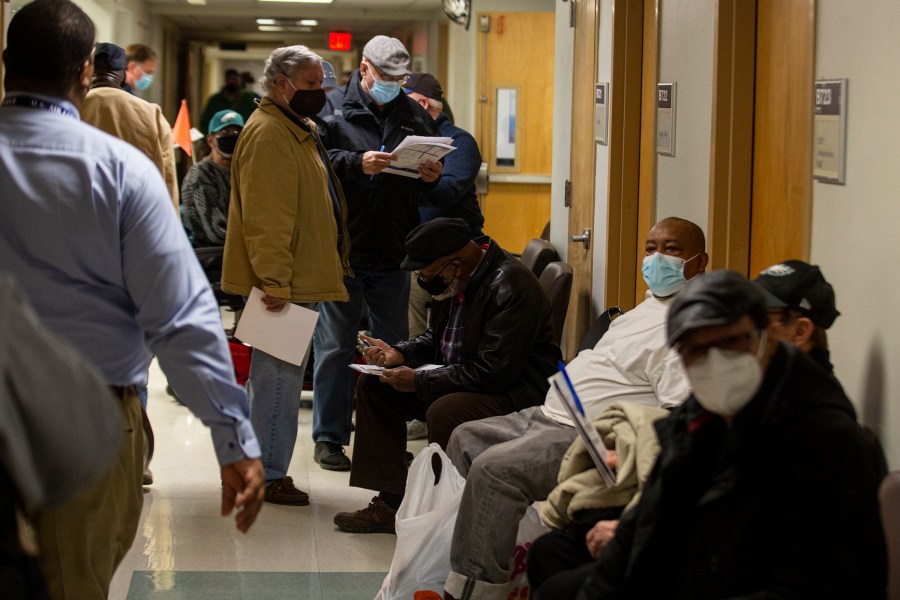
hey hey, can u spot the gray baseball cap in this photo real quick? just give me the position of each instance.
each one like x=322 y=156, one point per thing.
x=388 y=55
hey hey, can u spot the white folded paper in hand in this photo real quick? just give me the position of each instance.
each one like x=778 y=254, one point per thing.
x=415 y=150
x=376 y=370
x=285 y=334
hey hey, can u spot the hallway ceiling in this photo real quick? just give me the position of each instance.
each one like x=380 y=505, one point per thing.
x=235 y=20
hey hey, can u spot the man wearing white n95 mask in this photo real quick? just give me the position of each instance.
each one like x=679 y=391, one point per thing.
x=765 y=486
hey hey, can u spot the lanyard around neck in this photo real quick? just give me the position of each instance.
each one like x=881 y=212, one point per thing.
x=37 y=103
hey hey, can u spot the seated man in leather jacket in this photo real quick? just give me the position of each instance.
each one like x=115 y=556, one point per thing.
x=492 y=337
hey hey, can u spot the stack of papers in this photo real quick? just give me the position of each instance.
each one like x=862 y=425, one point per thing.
x=415 y=150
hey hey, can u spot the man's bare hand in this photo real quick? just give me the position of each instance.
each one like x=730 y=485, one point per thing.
x=402 y=379
x=600 y=535
x=374 y=163
x=273 y=304
x=380 y=353
x=430 y=170
x=612 y=459
x=243 y=486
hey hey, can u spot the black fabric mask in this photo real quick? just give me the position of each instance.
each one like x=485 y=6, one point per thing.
x=226 y=144
x=307 y=103
x=233 y=88
x=434 y=286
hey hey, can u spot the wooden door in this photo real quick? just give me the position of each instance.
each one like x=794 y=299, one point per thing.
x=582 y=177
x=761 y=160
x=516 y=53
x=781 y=211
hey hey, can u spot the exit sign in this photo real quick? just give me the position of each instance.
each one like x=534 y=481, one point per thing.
x=338 y=40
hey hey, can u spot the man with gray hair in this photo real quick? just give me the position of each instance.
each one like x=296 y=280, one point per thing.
x=286 y=236
x=374 y=117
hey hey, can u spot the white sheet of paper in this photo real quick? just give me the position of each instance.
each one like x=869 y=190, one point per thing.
x=285 y=334
x=416 y=149
x=376 y=370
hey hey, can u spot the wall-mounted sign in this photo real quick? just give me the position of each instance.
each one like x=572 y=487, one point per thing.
x=665 y=119
x=505 y=148
x=601 y=112
x=830 y=130
x=339 y=40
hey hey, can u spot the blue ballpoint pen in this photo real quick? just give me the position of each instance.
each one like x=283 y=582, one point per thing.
x=371 y=177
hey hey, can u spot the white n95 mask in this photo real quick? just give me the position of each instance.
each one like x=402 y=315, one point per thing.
x=724 y=381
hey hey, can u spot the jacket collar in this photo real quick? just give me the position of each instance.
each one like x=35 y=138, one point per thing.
x=273 y=110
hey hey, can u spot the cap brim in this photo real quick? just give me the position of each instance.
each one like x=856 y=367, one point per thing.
x=693 y=317
x=409 y=264
x=772 y=301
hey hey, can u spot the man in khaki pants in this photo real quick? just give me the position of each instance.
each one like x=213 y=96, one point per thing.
x=89 y=231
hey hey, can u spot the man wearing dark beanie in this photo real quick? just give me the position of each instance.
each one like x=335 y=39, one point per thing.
x=491 y=340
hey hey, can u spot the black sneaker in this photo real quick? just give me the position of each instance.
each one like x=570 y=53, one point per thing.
x=331 y=457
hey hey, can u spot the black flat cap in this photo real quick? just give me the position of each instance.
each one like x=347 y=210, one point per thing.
x=718 y=298
x=800 y=286
x=109 y=57
x=432 y=240
x=425 y=84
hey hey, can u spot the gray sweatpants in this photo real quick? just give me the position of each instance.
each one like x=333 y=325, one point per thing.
x=509 y=462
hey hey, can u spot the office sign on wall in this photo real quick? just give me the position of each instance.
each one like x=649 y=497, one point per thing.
x=830 y=130
x=665 y=119
x=601 y=112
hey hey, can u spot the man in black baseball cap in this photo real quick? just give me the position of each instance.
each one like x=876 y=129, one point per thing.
x=763 y=463
x=491 y=340
x=453 y=195
x=801 y=307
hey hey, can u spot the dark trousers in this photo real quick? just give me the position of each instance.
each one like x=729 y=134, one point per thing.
x=379 y=461
x=558 y=562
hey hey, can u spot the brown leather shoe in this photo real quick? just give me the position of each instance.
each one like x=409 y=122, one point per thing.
x=282 y=491
x=378 y=517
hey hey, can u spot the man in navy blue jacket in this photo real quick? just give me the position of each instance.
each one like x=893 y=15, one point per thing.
x=382 y=208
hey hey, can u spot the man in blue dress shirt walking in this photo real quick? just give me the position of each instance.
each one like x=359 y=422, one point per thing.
x=89 y=231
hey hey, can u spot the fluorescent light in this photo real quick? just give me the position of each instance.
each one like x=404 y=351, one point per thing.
x=281 y=28
x=266 y=22
x=197 y=2
x=300 y=1
x=308 y=22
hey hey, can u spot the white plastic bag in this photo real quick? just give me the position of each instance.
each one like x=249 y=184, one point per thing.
x=424 y=524
x=530 y=528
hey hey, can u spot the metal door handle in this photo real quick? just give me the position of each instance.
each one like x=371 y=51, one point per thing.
x=584 y=238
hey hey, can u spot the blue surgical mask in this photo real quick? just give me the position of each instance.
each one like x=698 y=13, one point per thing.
x=664 y=274
x=384 y=91
x=144 y=82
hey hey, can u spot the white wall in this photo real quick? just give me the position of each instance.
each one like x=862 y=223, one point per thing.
x=686 y=38
x=855 y=233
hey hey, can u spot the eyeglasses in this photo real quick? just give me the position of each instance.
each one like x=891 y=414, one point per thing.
x=443 y=266
x=740 y=342
x=376 y=74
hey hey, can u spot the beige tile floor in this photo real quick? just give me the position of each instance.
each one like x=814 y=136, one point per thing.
x=184 y=549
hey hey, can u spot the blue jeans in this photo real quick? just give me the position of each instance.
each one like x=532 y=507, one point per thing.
x=274 y=390
x=386 y=293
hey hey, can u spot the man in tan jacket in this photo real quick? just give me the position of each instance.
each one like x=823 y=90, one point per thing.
x=140 y=123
